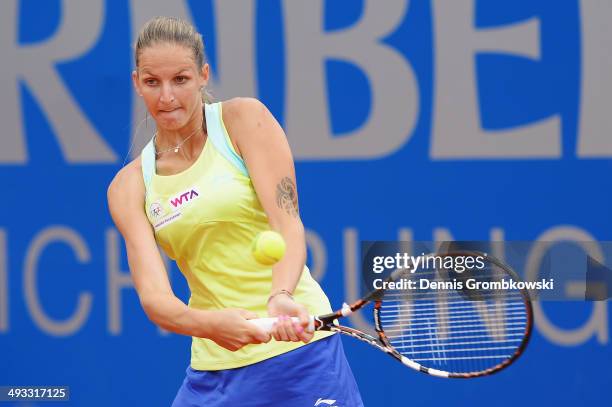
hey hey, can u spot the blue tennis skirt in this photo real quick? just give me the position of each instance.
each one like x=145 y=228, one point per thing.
x=315 y=375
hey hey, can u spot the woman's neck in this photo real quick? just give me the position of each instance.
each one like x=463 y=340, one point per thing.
x=186 y=138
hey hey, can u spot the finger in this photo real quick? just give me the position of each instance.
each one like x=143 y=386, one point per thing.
x=259 y=335
x=290 y=328
x=282 y=328
x=275 y=333
x=263 y=337
x=233 y=347
x=306 y=336
x=300 y=332
x=304 y=317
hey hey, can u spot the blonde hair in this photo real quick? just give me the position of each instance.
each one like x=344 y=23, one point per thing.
x=173 y=30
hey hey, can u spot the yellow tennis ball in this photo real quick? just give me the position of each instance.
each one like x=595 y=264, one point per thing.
x=268 y=247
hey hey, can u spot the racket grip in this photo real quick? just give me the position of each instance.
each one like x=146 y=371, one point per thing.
x=267 y=323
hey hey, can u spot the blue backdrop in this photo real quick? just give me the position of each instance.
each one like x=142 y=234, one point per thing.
x=414 y=120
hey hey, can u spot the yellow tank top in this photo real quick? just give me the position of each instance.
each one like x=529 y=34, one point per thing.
x=205 y=219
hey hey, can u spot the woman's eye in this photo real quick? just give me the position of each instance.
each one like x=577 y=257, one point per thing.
x=150 y=82
x=181 y=79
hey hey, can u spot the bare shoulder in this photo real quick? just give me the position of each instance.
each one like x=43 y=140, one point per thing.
x=126 y=188
x=241 y=109
x=247 y=119
x=242 y=115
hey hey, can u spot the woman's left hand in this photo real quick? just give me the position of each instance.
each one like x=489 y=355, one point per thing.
x=284 y=307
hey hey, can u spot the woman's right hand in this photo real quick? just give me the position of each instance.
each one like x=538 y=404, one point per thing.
x=232 y=330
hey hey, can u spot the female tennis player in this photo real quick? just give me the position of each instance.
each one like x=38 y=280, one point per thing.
x=213 y=176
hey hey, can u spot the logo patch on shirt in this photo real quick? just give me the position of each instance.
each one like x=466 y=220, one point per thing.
x=156 y=210
x=184 y=198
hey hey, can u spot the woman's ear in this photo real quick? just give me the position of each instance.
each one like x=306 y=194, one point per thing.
x=205 y=74
x=136 y=83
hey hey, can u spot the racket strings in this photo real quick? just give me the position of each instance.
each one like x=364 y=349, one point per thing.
x=441 y=295
x=443 y=339
x=456 y=330
x=402 y=328
x=429 y=312
x=426 y=322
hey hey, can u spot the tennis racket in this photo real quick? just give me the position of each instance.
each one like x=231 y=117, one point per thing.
x=458 y=332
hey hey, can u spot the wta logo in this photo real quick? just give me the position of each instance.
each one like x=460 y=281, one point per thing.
x=184 y=198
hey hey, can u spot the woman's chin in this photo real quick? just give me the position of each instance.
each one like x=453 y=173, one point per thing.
x=170 y=120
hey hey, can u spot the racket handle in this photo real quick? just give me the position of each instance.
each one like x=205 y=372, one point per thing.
x=267 y=323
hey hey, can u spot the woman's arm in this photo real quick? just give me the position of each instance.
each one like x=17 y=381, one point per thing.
x=261 y=142
x=228 y=328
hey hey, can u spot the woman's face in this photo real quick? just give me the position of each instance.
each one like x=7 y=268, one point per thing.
x=169 y=82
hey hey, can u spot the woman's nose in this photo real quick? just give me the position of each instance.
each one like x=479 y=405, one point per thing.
x=167 y=94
